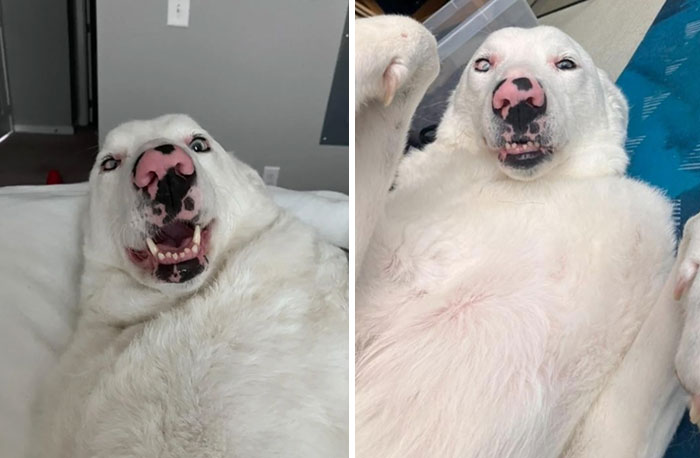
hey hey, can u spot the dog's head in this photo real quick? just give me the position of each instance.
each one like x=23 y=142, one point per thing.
x=165 y=200
x=532 y=99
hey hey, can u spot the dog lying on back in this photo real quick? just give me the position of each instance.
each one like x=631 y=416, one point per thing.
x=212 y=323
x=512 y=299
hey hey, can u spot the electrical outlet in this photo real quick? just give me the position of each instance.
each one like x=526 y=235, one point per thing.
x=179 y=13
x=270 y=175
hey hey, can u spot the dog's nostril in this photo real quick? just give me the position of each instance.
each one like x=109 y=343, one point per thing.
x=183 y=169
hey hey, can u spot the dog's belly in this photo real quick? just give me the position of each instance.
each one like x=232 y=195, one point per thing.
x=488 y=323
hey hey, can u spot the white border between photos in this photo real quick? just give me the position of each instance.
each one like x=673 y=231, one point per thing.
x=351 y=219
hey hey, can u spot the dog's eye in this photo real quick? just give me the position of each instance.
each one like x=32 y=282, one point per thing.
x=109 y=163
x=199 y=145
x=566 y=64
x=482 y=65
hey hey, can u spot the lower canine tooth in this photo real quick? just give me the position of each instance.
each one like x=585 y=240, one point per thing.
x=197 y=238
x=151 y=246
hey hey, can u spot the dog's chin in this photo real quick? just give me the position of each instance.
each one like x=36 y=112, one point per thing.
x=176 y=254
x=525 y=161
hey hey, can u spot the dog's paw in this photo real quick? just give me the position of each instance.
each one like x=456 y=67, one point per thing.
x=689 y=257
x=391 y=53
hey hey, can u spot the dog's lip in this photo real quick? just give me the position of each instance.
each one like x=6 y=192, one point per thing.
x=155 y=254
x=522 y=150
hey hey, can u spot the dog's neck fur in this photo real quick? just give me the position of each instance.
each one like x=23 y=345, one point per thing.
x=106 y=284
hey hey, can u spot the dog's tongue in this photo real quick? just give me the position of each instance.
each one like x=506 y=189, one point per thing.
x=174 y=234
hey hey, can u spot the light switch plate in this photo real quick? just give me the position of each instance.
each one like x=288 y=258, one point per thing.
x=179 y=13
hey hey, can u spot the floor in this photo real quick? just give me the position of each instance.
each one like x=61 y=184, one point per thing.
x=27 y=158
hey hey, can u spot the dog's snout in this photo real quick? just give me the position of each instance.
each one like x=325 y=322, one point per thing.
x=519 y=100
x=153 y=165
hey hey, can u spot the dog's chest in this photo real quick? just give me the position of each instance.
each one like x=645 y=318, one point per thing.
x=506 y=307
x=544 y=273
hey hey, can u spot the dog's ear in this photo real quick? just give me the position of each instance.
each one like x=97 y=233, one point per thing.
x=616 y=106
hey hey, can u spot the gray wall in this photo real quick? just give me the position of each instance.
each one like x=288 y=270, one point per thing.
x=38 y=61
x=256 y=74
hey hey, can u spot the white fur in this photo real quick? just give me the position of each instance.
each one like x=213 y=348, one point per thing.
x=507 y=313
x=687 y=289
x=248 y=359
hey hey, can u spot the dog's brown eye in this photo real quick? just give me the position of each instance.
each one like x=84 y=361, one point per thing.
x=109 y=163
x=199 y=145
x=482 y=65
x=566 y=64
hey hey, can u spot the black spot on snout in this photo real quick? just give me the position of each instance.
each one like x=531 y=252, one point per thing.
x=165 y=149
x=523 y=84
x=172 y=190
x=523 y=114
x=189 y=204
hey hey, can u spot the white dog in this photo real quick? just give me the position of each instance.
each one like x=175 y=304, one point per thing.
x=688 y=356
x=212 y=323
x=513 y=297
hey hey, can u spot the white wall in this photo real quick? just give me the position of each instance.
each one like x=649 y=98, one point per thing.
x=256 y=74
x=38 y=62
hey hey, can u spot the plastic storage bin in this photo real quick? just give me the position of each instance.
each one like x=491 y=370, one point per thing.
x=458 y=39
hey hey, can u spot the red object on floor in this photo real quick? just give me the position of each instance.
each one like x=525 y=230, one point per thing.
x=53 y=177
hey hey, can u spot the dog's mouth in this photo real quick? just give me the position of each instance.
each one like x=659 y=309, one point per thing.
x=176 y=253
x=524 y=154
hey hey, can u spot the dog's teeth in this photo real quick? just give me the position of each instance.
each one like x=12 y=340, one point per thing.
x=175 y=256
x=530 y=144
x=168 y=255
x=197 y=239
x=161 y=256
x=152 y=246
x=195 y=249
x=187 y=251
x=537 y=144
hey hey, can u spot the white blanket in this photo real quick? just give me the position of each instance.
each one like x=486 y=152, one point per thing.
x=40 y=264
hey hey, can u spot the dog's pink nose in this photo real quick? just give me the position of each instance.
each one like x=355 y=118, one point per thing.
x=512 y=91
x=155 y=163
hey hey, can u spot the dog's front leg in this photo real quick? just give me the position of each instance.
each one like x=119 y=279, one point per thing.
x=641 y=405
x=395 y=61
